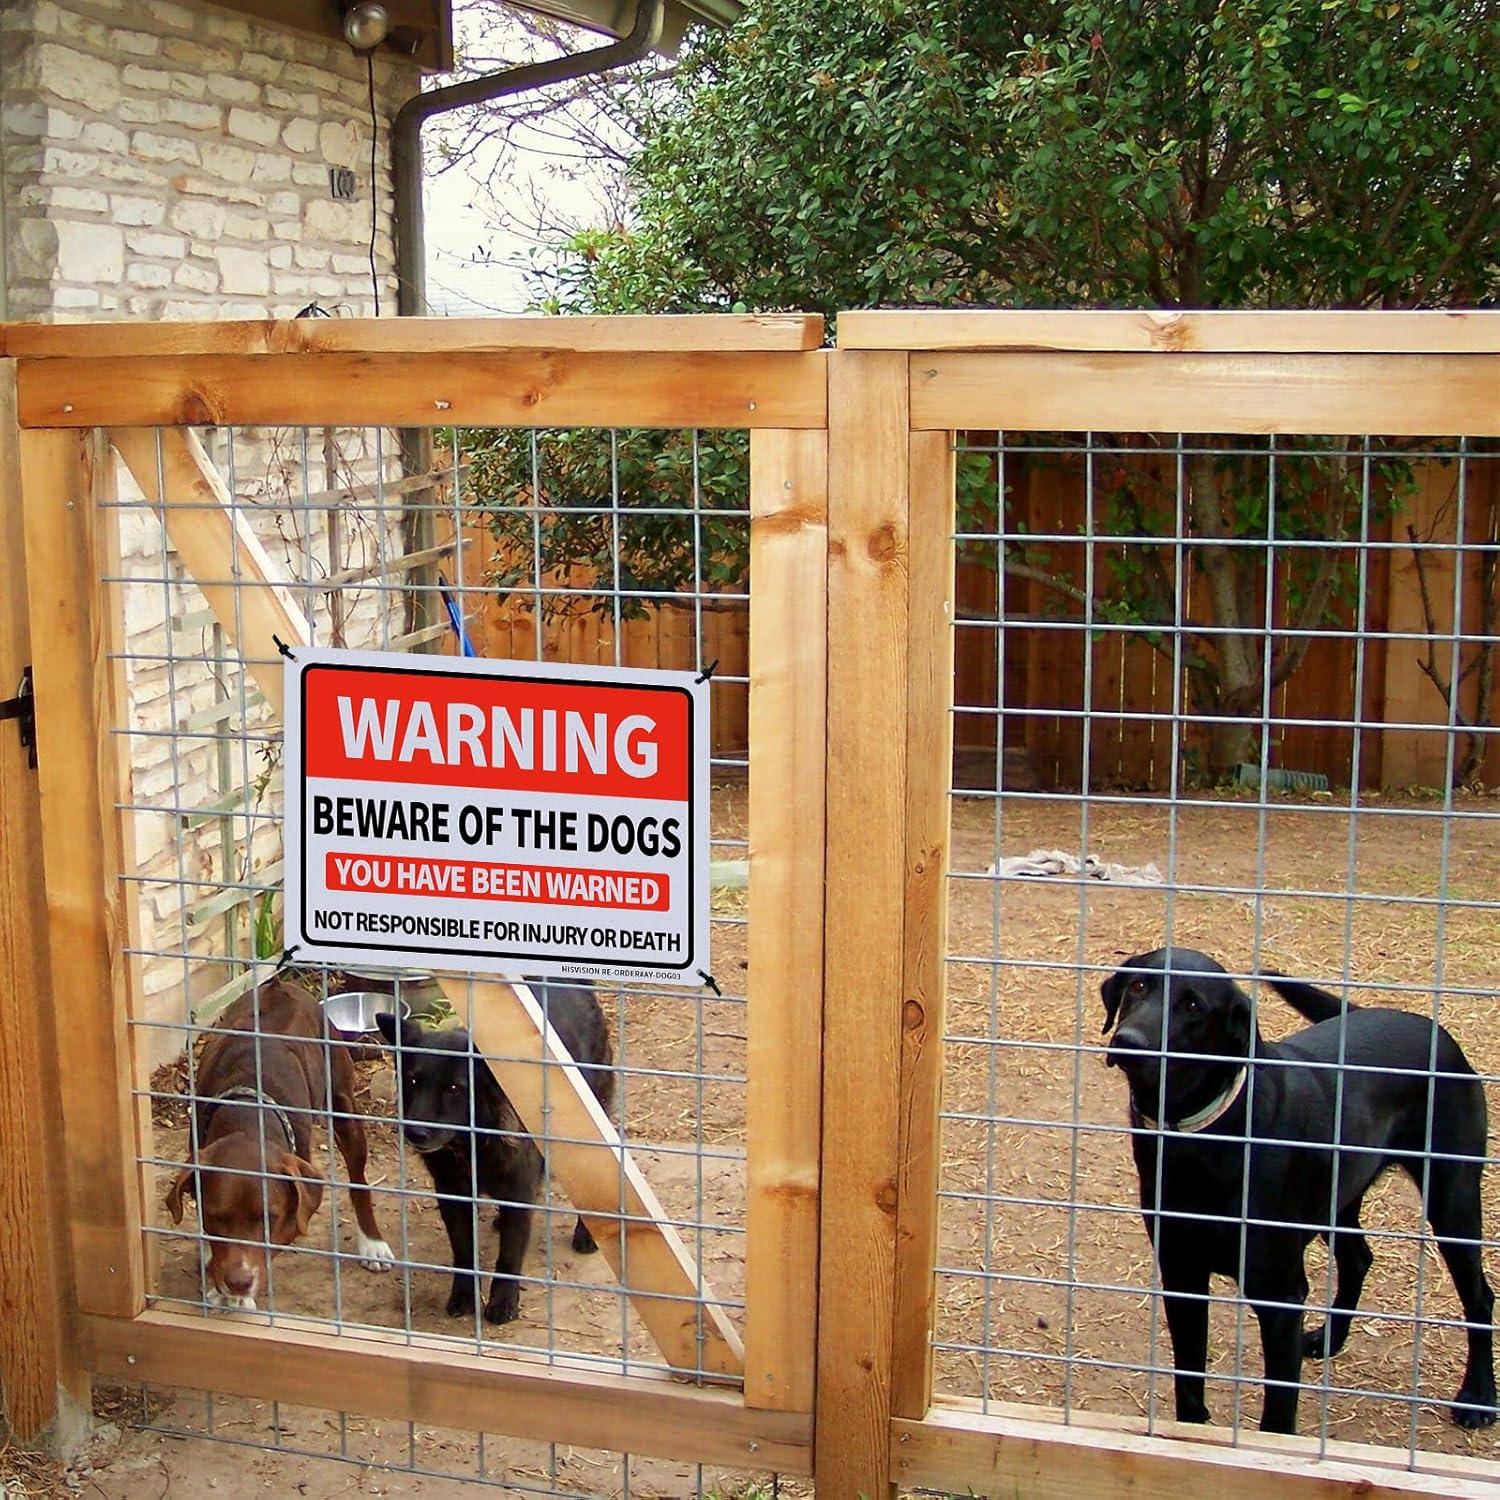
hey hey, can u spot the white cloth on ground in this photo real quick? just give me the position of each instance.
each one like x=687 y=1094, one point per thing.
x=1041 y=863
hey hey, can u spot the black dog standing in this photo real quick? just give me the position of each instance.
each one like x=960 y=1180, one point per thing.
x=486 y=1152
x=1303 y=1118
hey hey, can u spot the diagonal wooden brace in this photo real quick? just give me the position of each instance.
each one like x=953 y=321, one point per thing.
x=237 y=577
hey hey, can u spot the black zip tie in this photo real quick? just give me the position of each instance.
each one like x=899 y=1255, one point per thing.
x=286 y=958
x=708 y=671
x=708 y=979
x=282 y=647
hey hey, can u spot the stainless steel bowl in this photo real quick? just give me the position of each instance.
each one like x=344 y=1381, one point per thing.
x=353 y=1012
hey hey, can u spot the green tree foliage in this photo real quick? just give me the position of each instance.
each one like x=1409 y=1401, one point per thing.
x=839 y=153
x=827 y=154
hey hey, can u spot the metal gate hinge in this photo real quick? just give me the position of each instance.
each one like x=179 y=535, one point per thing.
x=23 y=708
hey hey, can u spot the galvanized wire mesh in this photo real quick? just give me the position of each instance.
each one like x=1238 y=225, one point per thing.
x=529 y=545
x=1131 y=776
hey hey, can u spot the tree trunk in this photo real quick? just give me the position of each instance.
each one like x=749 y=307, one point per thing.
x=1222 y=710
x=1229 y=745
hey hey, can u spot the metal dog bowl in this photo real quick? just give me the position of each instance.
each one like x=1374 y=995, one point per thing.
x=421 y=991
x=353 y=1012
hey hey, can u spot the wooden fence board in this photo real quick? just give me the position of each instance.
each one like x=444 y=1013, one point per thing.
x=37 y=1357
x=387 y=1376
x=1418 y=395
x=929 y=759
x=72 y=637
x=1000 y=1457
x=507 y=388
x=866 y=864
x=788 y=705
x=1152 y=330
x=685 y=332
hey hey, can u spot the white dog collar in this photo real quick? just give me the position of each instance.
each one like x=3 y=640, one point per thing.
x=1206 y=1116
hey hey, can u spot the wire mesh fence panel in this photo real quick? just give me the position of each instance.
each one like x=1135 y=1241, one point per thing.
x=290 y=1449
x=337 y=1180
x=1230 y=698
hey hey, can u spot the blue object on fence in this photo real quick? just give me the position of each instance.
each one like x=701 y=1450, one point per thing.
x=455 y=619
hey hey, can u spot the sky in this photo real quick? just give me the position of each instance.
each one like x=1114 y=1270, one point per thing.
x=474 y=258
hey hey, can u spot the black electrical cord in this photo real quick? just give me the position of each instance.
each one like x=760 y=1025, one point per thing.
x=374 y=185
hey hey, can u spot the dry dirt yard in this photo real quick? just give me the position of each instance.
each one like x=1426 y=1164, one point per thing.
x=1025 y=1058
x=1052 y=1073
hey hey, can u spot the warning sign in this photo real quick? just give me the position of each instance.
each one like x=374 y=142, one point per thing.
x=511 y=817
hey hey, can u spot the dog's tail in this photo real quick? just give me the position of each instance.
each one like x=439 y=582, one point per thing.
x=1306 y=999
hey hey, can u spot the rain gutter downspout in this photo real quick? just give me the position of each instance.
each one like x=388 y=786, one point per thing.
x=406 y=133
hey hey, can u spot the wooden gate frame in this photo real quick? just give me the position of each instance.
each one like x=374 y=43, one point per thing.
x=852 y=488
x=901 y=386
x=71 y=386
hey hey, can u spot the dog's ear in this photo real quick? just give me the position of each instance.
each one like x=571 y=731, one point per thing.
x=186 y=1181
x=410 y=1031
x=1112 y=992
x=307 y=1185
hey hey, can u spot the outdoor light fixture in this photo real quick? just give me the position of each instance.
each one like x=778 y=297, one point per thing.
x=366 y=25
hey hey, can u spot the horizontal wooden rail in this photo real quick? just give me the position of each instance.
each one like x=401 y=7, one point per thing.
x=1002 y=1455
x=702 y=332
x=510 y=388
x=1151 y=331
x=1417 y=395
x=310 y=1365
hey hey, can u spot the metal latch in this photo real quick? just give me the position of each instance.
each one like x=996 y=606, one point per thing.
x=23 y=708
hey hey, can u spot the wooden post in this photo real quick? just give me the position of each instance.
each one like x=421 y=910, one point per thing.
x=38 y=1361
x=788 y=703
x=868 y=441
x=929 y=769
x=72 y=636
x=589 y=1160
x=122 y=820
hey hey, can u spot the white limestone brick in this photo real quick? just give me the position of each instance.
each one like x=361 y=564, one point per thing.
x=243 y=271
x=192 y=113
x=93 y=253
x=137 y=211
x=76 y=76
x=300 y=135
x=154 y=242
x=251 y=125
x=233 y=90
x=195 y=277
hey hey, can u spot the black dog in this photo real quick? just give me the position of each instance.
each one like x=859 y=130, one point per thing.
x=487 y=1148
x=1392 y=1063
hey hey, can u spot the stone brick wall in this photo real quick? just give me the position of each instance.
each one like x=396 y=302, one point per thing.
x=162 y=160
x=158 y=161
x=206 y=793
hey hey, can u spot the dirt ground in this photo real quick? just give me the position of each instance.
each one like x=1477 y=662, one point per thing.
x=1004 y=1258
x=1009 y=1326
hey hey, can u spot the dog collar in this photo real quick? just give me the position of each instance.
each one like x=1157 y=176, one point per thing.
x=1206 y=1116
x=243 y=1091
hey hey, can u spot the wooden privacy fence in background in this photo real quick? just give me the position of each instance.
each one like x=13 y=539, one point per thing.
x=850 y=738
x=1045 y=668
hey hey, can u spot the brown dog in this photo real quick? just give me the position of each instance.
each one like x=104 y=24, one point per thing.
x=256 y=1187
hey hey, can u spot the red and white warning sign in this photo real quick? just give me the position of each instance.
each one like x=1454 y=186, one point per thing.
x=513 y=817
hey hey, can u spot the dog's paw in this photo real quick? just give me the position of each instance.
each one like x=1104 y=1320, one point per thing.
x=504 y=1305
x=1313 y=1342
x=227 y=1301
x=1472 y=1412
x=374 y=1255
